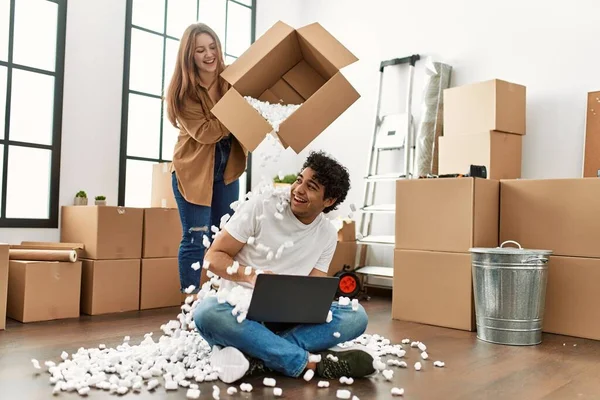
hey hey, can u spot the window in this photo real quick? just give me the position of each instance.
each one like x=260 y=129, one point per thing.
x=153 y=30
x=32 y=48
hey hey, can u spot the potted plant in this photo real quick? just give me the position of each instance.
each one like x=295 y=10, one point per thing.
x=100 y=200
x=286 y=181
x=81 y=198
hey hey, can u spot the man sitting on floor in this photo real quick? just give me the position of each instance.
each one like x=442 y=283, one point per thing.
x=321 y=186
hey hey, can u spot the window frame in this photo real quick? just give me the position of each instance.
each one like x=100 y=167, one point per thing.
x=129 y=26
x=55 y=147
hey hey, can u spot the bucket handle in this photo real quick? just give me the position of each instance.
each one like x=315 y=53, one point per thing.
x=511 y=241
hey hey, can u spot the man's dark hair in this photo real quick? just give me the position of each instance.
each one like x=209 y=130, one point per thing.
x=331 y=175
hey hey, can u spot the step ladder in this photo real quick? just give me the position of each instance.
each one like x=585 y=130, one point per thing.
x=392 y=132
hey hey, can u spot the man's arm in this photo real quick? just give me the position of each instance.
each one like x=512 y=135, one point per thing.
x=316 y=272
x=220 y=256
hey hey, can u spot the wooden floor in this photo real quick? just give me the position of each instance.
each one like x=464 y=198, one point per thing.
x=560 y=368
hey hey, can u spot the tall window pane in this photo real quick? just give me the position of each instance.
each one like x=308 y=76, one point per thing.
x=149 y=14
x=4 y=26
x=170 y=59
x=143 y=137
x=35 y=34
x=2 y=99
x=146 y=62
x=239 y=27
x=28 y=188
x=181 y=13
x=32 y=107
x=214 y=14
x=139 y=183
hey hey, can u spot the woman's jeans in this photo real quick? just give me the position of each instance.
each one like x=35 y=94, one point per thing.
x=196 y=220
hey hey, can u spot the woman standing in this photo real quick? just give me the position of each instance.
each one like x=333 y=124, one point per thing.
x=207 y=160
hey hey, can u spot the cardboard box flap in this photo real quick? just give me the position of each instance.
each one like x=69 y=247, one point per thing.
x=327 y=49
x=244 y=122
x=269 y=57
x=304 y=80
x=318 y=112
x=269 y=96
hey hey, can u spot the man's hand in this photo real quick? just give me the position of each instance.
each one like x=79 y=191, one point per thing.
x=255 y=275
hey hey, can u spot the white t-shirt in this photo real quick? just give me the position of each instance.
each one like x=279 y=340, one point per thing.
x=313 y=244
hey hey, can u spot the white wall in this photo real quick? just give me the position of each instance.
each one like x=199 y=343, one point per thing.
x=549 y=49
x=93 y=88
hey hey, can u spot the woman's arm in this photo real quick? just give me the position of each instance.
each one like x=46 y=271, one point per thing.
x=202 y=128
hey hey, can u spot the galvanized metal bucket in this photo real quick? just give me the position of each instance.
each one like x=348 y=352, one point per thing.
x=510 y=293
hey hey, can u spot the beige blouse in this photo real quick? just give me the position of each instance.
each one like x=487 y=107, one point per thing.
x=194 y=154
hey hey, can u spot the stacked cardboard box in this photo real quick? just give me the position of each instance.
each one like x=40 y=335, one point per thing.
x=437 y=222
x=160 y=272
x=483 y=125
x=345 y=251
x=561 y=215
x=112 y=237
x=3 y=284
x=42 y=290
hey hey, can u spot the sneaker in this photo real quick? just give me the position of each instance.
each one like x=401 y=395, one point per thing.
x=350 y=363
x=256 y=367
x=230 y=363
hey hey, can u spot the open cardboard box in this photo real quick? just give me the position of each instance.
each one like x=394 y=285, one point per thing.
x=287 y=66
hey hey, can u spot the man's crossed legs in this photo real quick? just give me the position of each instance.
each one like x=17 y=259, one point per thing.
x=288 y=351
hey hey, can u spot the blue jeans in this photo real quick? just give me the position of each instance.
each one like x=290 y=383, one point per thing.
x=196 y=220
x=285 y=352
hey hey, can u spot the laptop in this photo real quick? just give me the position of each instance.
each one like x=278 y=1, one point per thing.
x=292 y=299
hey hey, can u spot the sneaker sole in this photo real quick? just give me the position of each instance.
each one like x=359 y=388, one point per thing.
x=231 y=362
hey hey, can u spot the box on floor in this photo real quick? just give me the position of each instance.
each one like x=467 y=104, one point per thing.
x=433 y=288
x=3 y=283
x=42 y=291
x=107 y=232
x=499 y=152
x=561 y=215
x=160 y=283
x=493 y=105
x=162 y=186
x=572 y=297
x=287 y=66
x=162 y=233
x=110 y=286
x=447 y=214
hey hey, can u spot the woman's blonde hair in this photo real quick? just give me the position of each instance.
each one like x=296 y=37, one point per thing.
x=185 y=80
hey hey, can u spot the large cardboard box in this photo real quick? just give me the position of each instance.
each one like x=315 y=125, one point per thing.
x=493 y=105
x=345 y=254
x=160 y=283
x=110 y=286
x=162 y=233
x=107 y=232
x=572 y=297
x=591 y=156
x=287 y=66
x=162 y=186
x=433 y=288
x=449 y=214
x=3 y=283
x=348 y=231
x=42 y=291
x=500 y=153
x=562 y=215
